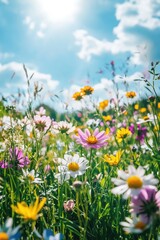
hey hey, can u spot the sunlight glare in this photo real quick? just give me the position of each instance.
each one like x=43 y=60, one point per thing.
x=58 y=11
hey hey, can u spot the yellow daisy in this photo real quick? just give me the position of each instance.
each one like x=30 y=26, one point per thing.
x=113 y=160
x=87 y=90
x=131 y=94
x=29 y=212
x=122 y=134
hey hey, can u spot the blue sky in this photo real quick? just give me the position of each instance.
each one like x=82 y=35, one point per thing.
x=68 y=44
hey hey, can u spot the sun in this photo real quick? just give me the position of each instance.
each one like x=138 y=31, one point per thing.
x=58 y=11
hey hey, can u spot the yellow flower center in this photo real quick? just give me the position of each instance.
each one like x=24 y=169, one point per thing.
x=145 y=118
x=134 y=182
x=31 y=177
x=92 y=139
x=4 y=236
x=73 y=166
x=140 y=225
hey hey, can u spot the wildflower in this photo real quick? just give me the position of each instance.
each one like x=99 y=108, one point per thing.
x=4 y=164
x=47 y=168
x=142 y=132
x=93 y=122
x=131 y=94
x=49 y=235
x=136 y=106
x=103 y=105
x=29 y=212
x=71 y=166
x=64 y=127
x=9 y=233
x=147 y=203
x=131 y=182
x=77 y=96
x=92 y=140
x=158 y=105
x=69 y=205
x=142 y=110
x=31 y=176
x=7 y=122
x=135 y=225
x=17 y=158
x=87 y=90
x=131 y=128
x=122 y=134
x=41 y=111
x=42 y=123
x=107 y=118
x=113 y=160
x=147 y=118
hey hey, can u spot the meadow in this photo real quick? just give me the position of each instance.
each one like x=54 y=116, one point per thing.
x=93 y=175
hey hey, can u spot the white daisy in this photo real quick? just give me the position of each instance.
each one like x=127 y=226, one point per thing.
x=135 y=224
x=93 y=122
x=31 y=176
x=131 y=182
x=148 y=118
x=64 y=127
x=71 y=166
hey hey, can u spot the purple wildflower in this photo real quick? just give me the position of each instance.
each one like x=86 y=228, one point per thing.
x=92 y=140
x=142 y=132
x=147 y=203
x=4 y=164
x=18 y=157
x=131 y=128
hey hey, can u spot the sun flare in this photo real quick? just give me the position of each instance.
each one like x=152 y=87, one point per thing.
x=58 y=11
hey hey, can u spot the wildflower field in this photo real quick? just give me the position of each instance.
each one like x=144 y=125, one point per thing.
x=91 y=176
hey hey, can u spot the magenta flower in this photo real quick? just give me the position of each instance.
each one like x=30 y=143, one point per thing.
x=131 y=128
x=147 y=203
x=4 y=164
x=18 y=157
x=92 y=140
x=142 y=132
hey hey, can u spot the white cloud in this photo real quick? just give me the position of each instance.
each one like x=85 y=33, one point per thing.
x=20 y=79
x=129 y=79
x=131 y=14
x=4 y=1
x=90 y=45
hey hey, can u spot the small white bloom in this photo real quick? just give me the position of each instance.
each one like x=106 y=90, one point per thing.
x=71 y=166
x=131 y=182
x=148 y=118
x=135 y=225
x=31 y=176
x=93 y=122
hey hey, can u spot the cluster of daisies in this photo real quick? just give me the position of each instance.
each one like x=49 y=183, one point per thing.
x=144 y=196
x=133 y=184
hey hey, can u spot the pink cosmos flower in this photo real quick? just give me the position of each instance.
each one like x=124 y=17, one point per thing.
x=17 y=155
x=17 y=159
x=4 y=164
x=41 y=111
x=42 y=123
x=92 y=140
